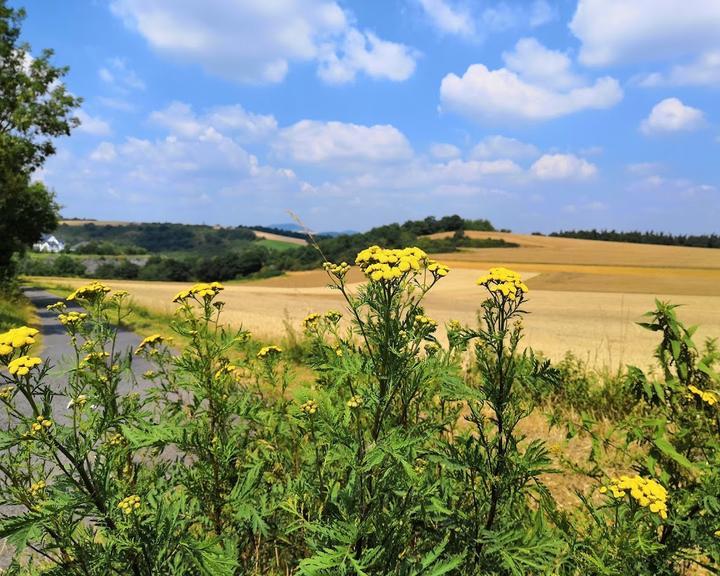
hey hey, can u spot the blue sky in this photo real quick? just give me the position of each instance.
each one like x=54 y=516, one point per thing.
x=538 y=115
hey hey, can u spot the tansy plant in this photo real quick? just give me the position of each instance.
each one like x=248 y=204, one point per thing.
x=393 y=450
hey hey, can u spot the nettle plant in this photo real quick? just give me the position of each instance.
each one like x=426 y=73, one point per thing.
x=663 y=516
x=398 y=454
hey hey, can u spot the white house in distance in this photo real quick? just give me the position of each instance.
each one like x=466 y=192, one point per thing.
x=48 y=243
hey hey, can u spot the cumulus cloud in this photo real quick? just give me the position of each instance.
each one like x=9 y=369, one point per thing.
x=622 y=31
x=562 y=167
x=540 y=65
x=365 y=52
x=498 y=146
x=537 y=84
x=443 y=151
x=329 y=143
x=671 y=115
x=180 y=119
x=93 y=125
x=256 y=41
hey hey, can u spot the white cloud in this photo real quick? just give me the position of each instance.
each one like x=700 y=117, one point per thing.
x=449 y=19
x=671 y=115
x=503 y=147
x=313 y=142
x=443 y=151
x=120 y=76
x=256 y=41
x=180 y=119
x=457 y=18
x=365 y=52
x=537 y=64
x=93 y=125
x=540 y=86
x=622 y=31
x=105 y=152
x=562 y=167
x=702 y=71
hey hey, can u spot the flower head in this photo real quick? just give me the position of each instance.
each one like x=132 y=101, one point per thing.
x=505 y=282
x=22 y=366
x=16 y=338
x=709 y=397
x=337 y=270
x=93 y=291
x=332 y=316
x=72 y=318
x=309 y=407
x=201 y=291
x=355 y=402
x=129 y=505
x=267 y=352
x=149 y=342
x=311 y=321
x=645 y=491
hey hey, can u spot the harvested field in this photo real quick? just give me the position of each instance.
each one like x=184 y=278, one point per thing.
x=596 y=326
x=585 y=295
x=280 y=238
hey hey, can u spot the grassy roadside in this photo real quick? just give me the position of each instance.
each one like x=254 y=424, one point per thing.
x=15 y=310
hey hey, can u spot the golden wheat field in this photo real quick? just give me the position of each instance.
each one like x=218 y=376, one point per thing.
x=585 y=295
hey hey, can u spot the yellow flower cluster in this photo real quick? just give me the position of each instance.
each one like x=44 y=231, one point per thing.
x=36 y=488
x=41 y=423
x=505 y=281
x=202 y=290
x=425 y=322
x=355 y=402
x=333 y=316
x=309 y=407
x=6 y=392
x=338 y=270
x=644 y=491
x=710 y=398
x=432 y=348
x=437 y=268
x=116 y=440
x=149 y=342
x=311 y=321
x=130 y=504
x=89 y=292
x=384 y=264
x=269 y=352
x=57 y=306
x=72 y=318
x=22 y=366
x=227 y=369
x=16 y=338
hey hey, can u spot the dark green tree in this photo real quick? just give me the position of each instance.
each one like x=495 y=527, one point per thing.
x=35 y=108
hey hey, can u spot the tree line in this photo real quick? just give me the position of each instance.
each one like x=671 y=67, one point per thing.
x=651 y=237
